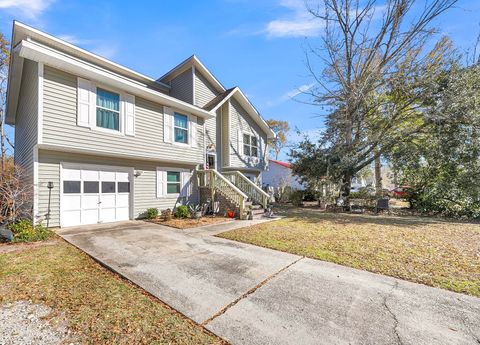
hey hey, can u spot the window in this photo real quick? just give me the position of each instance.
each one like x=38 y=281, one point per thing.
x=70 y=187
x=124 y=187
x=108 y=109
x=180 y=133
x=173 y=182
x=250 y=145
x=108 y=187
x=90 y=187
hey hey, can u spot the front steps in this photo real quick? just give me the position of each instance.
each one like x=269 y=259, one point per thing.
x=257 y=210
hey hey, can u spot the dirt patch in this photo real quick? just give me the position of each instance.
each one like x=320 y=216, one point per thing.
x=23 y=322
x=191 y=223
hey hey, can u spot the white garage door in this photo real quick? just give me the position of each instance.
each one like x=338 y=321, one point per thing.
x=91 y=196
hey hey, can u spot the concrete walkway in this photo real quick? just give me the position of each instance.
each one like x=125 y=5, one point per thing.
x=252 y=295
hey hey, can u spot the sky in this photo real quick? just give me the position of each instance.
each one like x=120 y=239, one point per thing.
x=258 y=45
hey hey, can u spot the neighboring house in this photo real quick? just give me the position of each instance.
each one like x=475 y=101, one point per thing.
x=362 y=182
x=111 y=142
x=279 y=174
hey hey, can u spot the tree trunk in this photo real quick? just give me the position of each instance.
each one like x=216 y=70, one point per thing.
x=395 y=175
x=378 y=176
x=346 y=186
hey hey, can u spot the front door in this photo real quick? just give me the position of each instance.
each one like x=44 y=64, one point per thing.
x=211 y=161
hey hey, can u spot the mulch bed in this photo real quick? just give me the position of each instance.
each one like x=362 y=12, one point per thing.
x=188 y=223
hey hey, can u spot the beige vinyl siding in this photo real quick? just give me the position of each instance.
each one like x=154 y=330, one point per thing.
x=60 y=125
x=225 y=147
x=240 y=119
x=26 y=122
x=182 y=86
x=204 y=91
x=144 y=186
x=211 y=131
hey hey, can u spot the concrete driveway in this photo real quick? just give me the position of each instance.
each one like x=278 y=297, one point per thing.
x=252 y=295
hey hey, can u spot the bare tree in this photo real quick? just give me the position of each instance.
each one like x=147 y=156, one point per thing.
x=281 y=129
x=4 y=61
x=16 y=193
x=370 y=68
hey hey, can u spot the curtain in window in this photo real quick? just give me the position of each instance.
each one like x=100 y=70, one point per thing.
x=181 y=128
x=181 y=121
x=107 y=119
x=108 y=107
x=108 y=100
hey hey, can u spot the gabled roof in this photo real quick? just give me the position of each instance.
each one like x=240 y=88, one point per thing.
x=283 y=164
x=215 y=103
x=235 y=92
x=188 y=63
x=30 y=43
x=223 y=95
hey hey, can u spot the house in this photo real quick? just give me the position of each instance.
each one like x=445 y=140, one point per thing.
x=279 y=174
x=102 y=143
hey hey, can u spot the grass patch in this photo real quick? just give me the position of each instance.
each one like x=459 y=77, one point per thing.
x=432 y=252
x=100 y=306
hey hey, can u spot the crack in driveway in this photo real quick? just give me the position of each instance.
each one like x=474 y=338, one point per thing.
x=394 y=317
x=249 y=292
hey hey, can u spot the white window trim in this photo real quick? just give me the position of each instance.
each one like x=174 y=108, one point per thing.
x=188 y=143
x=250 y=145
x=165 y=195
x=121 y=112
x=180 y=183
x=94 y=85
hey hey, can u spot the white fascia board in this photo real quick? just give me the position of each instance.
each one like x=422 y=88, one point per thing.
x=40 y=53
x=208 y=74
x=250 y=108
x=256 y=115
x=188 y=63
x=225 y=99
x=13 y=89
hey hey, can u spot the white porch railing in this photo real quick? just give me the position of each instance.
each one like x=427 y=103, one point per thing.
x=254 y=192
x=212 y=179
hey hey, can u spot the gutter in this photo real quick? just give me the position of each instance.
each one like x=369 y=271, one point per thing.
x=37 y=52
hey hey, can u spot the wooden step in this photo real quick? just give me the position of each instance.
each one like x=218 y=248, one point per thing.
x=258 y=211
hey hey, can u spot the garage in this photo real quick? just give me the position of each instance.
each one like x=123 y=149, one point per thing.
x=94 y=194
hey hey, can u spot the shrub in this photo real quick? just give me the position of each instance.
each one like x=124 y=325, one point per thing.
x=296 y=198
x=310 y=194
x=24 y=231
x=182 y=212
x=152 y=213
x=283 y=194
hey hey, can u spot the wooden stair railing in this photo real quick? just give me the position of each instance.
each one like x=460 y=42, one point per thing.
x=212 y=179
x=254 y=192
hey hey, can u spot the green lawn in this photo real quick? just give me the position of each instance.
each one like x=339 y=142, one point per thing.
x=101 y=307
x=432 y=252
